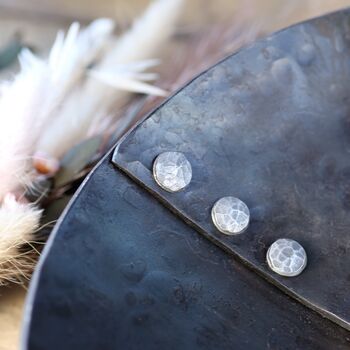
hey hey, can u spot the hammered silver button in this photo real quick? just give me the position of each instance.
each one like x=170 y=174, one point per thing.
x=172 y=171
x=286 y=257
x=230 y=215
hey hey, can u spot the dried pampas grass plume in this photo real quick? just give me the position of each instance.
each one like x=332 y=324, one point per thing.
x=108 y=87
x=27 y=103
x=55 y=103
x=19 y=126
x=18 y=223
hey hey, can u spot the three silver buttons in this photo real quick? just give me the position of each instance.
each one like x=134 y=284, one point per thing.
x=173 y=172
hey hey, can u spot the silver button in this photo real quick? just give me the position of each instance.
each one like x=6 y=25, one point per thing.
x=286 y=257
x=172 y=171
x=230 y=215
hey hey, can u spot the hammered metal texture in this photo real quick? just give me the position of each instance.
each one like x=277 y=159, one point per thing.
x=172 y=171
x=271 y=125
x=116 y=277
x=286 y=257
x=230 y=215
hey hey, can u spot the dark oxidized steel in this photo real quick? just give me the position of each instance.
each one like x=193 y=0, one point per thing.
x=132 y=266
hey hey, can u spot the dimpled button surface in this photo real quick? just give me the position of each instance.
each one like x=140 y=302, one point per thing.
x=172 y=171
x=230 y=215
x=286 y=257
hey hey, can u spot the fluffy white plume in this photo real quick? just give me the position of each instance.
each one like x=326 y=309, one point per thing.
x=118 y=73
x=18 y=222
x=67 y=63
x=27 y=103
x=70 y=56
x=128 y=78
x=20 y=126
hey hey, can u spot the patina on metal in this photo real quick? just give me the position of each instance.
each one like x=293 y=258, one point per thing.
x=271 y=126
x=133 y=266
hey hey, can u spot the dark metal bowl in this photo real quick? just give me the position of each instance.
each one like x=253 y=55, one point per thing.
x=131 y=266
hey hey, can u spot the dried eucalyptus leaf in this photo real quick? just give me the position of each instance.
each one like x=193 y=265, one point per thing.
x=54 y=210
x=76 y=160
x=9 y=53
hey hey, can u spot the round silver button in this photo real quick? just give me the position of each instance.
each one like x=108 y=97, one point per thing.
x=286 y=257
x=172 y=171
x=230 y=215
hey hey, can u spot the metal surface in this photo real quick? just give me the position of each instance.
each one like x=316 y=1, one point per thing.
x=117 y=277
x=131 y=266
x=271 y=126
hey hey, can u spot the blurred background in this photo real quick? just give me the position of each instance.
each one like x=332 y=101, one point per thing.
x=37 y=21
x=34 y=23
